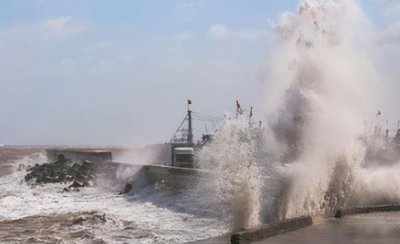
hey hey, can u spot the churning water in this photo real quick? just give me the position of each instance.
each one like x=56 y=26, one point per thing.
x=311 y=157
x=46 y=214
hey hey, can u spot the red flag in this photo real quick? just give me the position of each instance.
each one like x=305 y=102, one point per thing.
x=237 y=105
x=238 y=108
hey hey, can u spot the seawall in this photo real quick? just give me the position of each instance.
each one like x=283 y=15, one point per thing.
x=268 y=230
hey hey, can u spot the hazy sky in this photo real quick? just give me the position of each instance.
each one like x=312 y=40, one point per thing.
x=119 y=72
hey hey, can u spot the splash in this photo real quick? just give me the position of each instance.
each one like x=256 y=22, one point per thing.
x=321 y=117
x=322 y=86
x=234 y=154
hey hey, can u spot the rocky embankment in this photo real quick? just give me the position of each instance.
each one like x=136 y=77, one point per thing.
x=63 y=171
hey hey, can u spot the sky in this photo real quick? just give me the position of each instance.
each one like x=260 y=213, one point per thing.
x=96 y=72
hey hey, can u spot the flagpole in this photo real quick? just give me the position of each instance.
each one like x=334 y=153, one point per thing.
x=190 y=130
x=251 y=117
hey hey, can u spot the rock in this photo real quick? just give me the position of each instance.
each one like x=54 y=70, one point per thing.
x=339 y=213
x=61 y=159
x=128 y=187
x=85 y=184
x=21 y=167
x=81 y=174
x=75 y=184
x=78 y=220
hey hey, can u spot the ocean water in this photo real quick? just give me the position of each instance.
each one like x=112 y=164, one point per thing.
x=46 y=214
x=310 y=156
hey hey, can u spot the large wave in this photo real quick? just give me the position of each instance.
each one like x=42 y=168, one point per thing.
x=311 y=156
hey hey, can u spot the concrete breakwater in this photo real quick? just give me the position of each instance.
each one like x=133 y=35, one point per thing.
x=367 y=209
x=268 y=230
x=281 y=227
x=140 y=176
x=181 y=178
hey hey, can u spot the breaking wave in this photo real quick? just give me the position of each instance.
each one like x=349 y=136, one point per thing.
x=311 y=158
x=45 y=213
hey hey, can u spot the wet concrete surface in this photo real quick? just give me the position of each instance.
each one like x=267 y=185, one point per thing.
x=359 y=228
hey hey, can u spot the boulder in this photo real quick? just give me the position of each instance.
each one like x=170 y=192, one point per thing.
x=63 y=171
x=128 y=188
x=75 y=184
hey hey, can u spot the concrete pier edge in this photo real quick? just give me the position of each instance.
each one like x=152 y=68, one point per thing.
x=268 y=230
x=368 y=209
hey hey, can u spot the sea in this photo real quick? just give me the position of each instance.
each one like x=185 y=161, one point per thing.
x=44 y=213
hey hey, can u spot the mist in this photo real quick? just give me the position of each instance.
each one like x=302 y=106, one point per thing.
x=324 y=86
